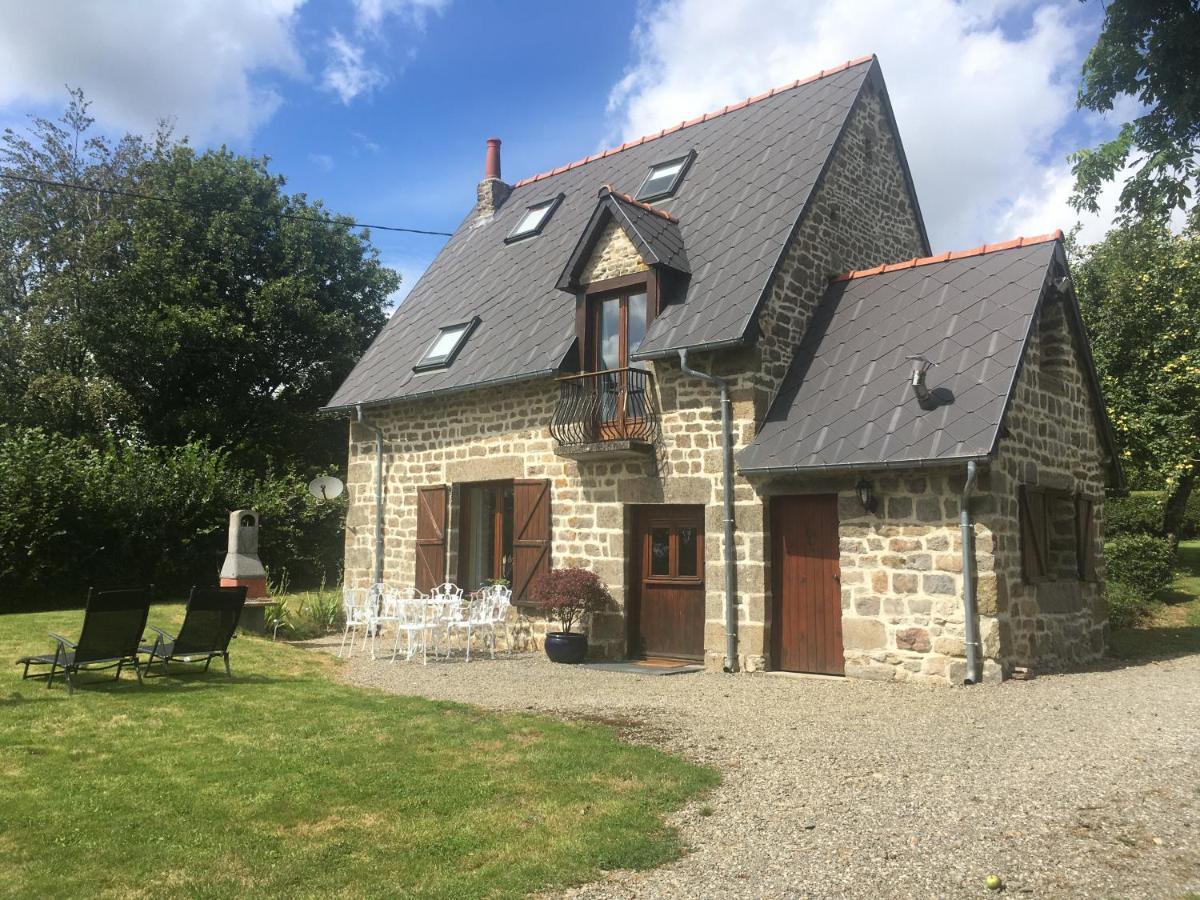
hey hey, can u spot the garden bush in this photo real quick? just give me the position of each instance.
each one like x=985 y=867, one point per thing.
x=1142 y=562
x=1139 y=513
x=1127 y=606
x=78 y=514
x=1190 y=529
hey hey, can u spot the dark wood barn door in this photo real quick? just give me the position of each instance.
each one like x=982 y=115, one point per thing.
x=666 y=614
x=806 y=625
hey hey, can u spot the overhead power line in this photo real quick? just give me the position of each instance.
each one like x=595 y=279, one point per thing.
x=280 y=215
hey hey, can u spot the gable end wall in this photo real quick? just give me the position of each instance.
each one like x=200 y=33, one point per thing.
x=861 y=215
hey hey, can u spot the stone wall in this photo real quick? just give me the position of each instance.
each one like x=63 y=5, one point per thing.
x=861 y=215
x=901 y=574
x=613 y=256
x=1053 y=441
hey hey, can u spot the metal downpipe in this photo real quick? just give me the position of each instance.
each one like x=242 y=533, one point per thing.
x=970 y=610
x=731 y=629
x=377 y=575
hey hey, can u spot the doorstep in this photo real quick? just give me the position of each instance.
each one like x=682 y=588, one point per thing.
x=648 y=667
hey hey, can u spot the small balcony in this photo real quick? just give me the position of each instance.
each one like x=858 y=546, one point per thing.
x=606 y=415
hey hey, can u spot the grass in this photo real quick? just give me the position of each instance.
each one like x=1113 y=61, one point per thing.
x=285 y=782
x=1174 y=627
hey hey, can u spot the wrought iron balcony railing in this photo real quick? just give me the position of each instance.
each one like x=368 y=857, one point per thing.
x=599 y=407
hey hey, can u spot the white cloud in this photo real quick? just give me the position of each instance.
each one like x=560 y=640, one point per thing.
x=322 y=161
x=202 y=63
x=371 y=13
x=348 y=74
x=982 y=113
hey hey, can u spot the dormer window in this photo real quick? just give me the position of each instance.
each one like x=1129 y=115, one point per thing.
x=445 y=346
x=663 y=179
x=534 y=219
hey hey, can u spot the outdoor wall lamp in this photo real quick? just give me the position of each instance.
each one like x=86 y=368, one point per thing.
x=866 y=495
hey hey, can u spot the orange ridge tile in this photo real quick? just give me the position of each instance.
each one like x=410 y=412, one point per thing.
x=607 y=188
x=1055 y=235
x=824 y=73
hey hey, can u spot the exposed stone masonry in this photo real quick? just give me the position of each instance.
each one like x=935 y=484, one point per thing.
x=862 y=214
x=613 y=256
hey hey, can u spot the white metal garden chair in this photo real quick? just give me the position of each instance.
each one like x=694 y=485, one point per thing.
x=409 y=617
x=390 y=613
x=446 y=608
x=360 y=605
x=488 y=607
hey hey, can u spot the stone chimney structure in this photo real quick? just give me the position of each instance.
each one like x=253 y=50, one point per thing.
x=492 y=191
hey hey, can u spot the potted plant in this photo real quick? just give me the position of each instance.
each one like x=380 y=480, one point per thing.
x=568 y=595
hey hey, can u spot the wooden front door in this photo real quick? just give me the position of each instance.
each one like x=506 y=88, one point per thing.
x=806 y=623
x=666 y=613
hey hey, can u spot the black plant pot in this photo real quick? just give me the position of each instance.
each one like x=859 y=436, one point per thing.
x=566 y=647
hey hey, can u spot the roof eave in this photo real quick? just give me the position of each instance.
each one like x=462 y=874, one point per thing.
x=832 y=468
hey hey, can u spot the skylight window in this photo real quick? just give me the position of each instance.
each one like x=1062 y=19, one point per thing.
x=534 y=219
x=662 y=179
x=446 y=345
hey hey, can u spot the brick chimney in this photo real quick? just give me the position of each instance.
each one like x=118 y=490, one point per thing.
x=492 y=192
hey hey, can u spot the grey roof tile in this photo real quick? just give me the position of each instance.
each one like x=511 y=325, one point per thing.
x=753 y=173
x=846 y=399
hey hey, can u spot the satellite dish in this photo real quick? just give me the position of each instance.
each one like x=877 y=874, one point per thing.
x=326 y=487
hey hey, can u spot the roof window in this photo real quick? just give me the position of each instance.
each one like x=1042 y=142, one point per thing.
x=663 y=178
x=446 y=345
x=534 y=219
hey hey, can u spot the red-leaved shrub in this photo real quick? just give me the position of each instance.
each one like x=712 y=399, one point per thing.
x=569 y=594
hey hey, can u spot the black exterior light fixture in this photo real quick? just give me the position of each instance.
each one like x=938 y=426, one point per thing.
x=866 y=495
x=920 y=365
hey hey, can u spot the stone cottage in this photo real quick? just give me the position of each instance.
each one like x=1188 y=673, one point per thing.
x=719 y=366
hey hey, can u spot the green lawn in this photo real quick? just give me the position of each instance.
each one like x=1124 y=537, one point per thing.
x=287 y=783
x=1174 y=627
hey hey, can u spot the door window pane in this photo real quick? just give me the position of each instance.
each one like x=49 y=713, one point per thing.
x=637 y=321
x=688 y=552
x=481 y=514
x=609 y=337
x=660 y=551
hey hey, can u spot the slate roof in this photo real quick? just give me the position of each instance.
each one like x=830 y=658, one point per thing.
x=653 y=232
x=756 y=165
x=847 y=401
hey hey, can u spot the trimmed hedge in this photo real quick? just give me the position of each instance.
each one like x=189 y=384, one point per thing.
x=1139 y=513
x=1141 y=561
x=124 y=512
x=1142 y=513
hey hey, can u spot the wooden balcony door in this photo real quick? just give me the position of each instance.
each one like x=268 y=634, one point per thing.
x=666 y=610
x=619 y=322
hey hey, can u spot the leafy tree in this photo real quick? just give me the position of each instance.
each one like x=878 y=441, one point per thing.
x=225 y=311
x=1148 y=50
x=1139 y=290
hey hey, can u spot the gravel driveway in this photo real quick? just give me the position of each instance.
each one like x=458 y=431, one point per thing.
x=1083 y=785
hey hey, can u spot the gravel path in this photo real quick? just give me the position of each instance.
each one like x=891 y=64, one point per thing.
x=1083 y=785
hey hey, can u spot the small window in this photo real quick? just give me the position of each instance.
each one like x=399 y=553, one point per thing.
x=534 y=219
x=446 y=345
x=1057 y=542
x=662 y=179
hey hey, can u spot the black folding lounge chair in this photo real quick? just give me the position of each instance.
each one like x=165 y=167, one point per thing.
x=208 y=627
x=113 y=623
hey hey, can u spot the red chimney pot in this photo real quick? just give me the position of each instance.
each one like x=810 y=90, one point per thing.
x=491 y=167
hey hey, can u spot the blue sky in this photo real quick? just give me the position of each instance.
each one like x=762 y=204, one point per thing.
x=381 y=107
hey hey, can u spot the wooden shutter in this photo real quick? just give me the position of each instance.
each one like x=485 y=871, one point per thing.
x=1085 y=546
x=531 y=535
x=1035 y=546
x=431 y=536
